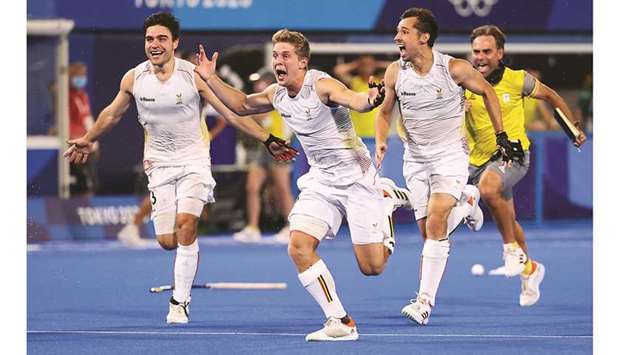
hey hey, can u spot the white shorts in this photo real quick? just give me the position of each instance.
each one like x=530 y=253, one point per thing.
x=447 y=174
x=178 y=189
x=361 y=203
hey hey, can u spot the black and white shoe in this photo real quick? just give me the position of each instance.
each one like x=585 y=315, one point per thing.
x=178 y=313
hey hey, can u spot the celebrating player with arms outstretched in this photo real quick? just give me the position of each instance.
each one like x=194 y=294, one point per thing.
x=168 y=96
x=342 y=181
x=429 y=88
x=493 y=178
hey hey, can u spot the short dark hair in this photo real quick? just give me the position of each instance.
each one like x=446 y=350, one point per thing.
x=489 y=30
x=163 y=19
x=426 y=22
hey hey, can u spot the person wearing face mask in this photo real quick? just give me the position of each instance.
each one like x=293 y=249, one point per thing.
x=85 y=180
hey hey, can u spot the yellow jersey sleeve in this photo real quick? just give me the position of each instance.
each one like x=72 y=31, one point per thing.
x=363 y=123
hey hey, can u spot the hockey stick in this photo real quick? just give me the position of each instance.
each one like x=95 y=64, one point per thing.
x=567 y=126
x=228 y=286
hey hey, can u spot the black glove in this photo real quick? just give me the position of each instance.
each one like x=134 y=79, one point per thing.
x=508 y=150
x=380 y=97
x=292 y=152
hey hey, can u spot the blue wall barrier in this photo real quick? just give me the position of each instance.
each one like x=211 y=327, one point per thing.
x=557 y=186
x=95 y=218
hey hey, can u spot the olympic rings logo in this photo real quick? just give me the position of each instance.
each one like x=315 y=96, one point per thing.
x=467 y=7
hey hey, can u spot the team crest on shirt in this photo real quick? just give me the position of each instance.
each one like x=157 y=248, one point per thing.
x=439 y=93
x=179 y=99
x=506 y=97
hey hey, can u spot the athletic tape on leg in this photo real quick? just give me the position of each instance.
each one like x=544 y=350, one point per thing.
x=190 y=205
x=309 y=225
x=164 y=223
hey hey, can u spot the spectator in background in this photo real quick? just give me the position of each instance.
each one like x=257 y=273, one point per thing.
x=261 y=165
x=584 y=103
x=355 y=75
x=84 y=180
x=537 y=115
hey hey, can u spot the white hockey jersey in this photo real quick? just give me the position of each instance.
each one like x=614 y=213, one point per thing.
x=169 y=112
x=337 y=156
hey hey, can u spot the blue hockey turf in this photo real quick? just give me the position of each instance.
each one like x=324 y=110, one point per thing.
x=93 y=298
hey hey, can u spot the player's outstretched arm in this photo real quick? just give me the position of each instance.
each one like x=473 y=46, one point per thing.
x=543 y=92
x=80 y=148
x=278 y=148
x=463 y=73
x=383 y=119
x=234 y=99
x=332 y=90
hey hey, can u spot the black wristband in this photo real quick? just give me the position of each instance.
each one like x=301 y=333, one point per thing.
x=271 y=139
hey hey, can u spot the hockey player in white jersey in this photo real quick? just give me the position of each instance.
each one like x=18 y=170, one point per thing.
x=342 y=181
x=177 y=161
x=428 y=86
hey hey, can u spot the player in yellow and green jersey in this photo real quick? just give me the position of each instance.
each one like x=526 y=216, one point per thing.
x=494 y=177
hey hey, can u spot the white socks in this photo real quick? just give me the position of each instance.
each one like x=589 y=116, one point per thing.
x=319 y=282
x=388 y=225
x=461 y=210
x=434 y=258
x=185 y=267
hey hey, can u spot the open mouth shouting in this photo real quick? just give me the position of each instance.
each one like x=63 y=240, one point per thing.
x=281 y=74
x=482 y=67
x=402 y=49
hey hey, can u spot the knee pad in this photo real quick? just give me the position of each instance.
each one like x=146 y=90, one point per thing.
x=164 y=223
x=436 y=248
x=190 y=205
x=309 y=225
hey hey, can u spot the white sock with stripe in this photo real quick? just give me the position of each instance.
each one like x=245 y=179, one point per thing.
x=319 y=282
x=185 y=267
x=434 y=258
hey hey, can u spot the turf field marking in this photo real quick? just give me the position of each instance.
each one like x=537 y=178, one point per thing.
x=498 y=336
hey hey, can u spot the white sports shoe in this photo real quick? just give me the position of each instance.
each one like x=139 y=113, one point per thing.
x=130 y=235
x=475 y=219
x=178 y=313
x=514 y=260
x=335 y=330
x=418 y=310
x=248 y=235
x=282 y=236
x=530 y=286
x=401 y=196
